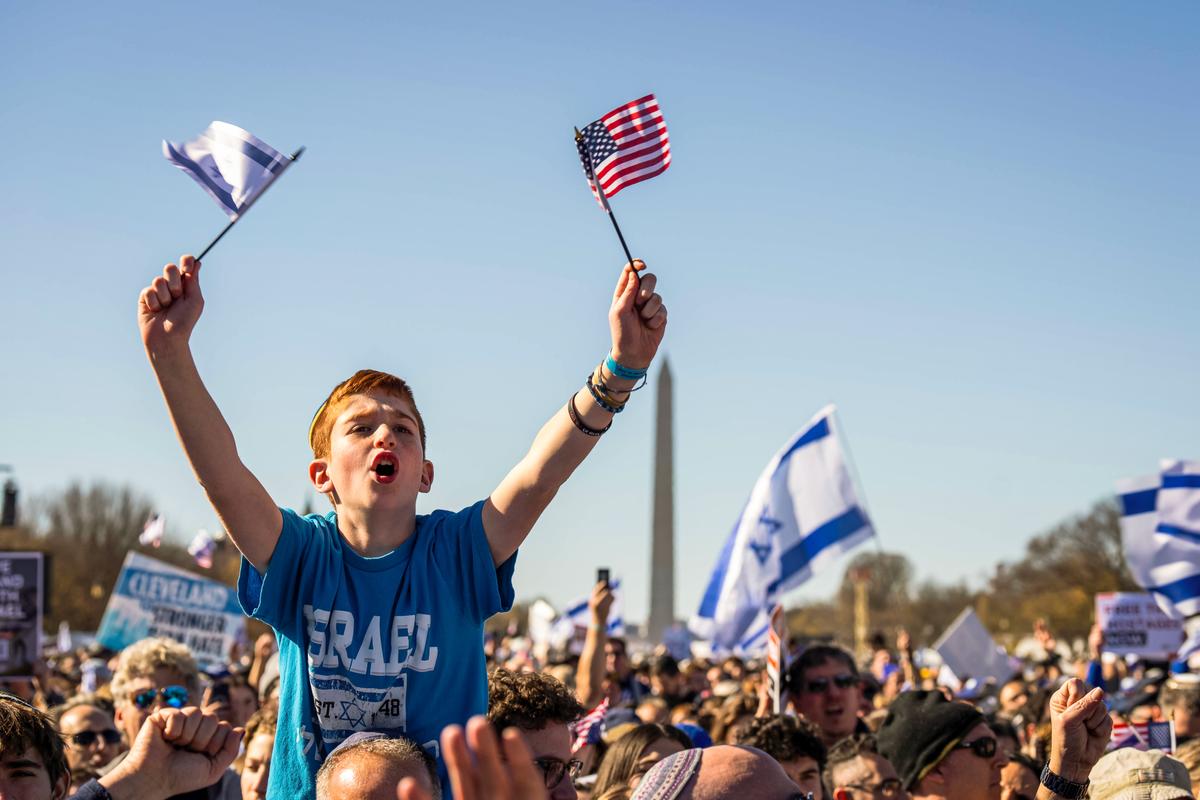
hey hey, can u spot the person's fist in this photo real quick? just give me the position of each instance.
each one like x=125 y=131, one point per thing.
x=170 y=305
x=600 y=602
x=1079 y=730
x=637 y=318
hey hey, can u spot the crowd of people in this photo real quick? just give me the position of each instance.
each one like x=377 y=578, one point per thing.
x=607 y=725
x=377 y=680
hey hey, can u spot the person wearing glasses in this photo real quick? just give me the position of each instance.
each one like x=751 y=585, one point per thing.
x=941 y=748
x=542 y=709
x=87 y=727
x=158 y=673
x=856 y=771
x=824 y=687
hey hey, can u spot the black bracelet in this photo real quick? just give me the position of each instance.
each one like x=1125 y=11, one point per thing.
x=574 y=415
x=1063 y=787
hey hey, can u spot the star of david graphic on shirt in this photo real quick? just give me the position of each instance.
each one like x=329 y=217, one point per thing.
x=762 y=545
x=351 y=712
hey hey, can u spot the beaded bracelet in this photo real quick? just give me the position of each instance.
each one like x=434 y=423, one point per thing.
x=573 y=413
x=628 y=373
x=603 y=399
x=600 y=379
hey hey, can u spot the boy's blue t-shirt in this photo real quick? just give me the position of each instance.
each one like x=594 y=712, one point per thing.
x=393 y=643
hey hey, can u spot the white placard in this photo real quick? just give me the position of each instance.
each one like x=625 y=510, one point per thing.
x=1133 y=624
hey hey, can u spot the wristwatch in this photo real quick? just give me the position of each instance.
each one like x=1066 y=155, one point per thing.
x=1063 y=787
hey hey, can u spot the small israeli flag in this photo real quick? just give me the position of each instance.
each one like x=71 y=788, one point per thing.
x=803 y=513
x=578 y=615
x=231 y=164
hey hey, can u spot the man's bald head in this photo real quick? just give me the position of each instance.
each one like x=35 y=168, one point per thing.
x=724 y=772
x=371 y=769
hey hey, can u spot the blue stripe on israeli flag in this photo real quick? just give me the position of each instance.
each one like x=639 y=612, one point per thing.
x=220 y=193
x=577 y=614
x=802 y=514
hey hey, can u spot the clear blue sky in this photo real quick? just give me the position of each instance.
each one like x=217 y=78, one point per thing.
x=972 y=226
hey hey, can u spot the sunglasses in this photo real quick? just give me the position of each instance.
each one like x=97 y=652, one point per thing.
x=555 y=769
x=887 y=788
x=984 y=748
x=173 y=696
x=88 y=738
x=821 y=685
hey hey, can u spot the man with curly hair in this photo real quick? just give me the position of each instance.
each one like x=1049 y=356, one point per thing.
x=795 y=743
x=542 y=709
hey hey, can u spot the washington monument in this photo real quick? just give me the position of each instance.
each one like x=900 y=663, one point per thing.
x=662 y=547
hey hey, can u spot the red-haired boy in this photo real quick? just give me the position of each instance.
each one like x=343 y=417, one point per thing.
x=378 y=611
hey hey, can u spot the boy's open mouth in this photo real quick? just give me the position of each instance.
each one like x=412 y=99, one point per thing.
x=384 y=467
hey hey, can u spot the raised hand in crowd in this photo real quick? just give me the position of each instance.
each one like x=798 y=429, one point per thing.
x=590 y=674
x=176 y=751
x=1079 y=732
x=483 y=766
x=1045 y=638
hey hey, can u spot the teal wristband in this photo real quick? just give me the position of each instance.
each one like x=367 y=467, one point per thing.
x=627 y=373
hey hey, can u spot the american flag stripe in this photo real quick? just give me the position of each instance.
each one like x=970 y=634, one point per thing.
x=584 y=726
x=639 y=170
x=626 y=146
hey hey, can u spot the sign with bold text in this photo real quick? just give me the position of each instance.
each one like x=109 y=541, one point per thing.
x=153 y=598
x=21 y=604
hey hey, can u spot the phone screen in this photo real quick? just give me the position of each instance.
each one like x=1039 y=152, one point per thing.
x=602 y=575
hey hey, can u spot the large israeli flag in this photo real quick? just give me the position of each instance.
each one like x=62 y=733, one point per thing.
x=803 y=513
x=1175 y=571
x=231 y=164
x=1160 y=534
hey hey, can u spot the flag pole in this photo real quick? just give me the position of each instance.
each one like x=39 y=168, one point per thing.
x=293 y=158
x=583 y=150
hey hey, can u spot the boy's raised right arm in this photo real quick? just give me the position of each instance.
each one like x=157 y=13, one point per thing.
x=167 y=312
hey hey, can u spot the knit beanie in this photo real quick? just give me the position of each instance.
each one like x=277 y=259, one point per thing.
x=919 y=731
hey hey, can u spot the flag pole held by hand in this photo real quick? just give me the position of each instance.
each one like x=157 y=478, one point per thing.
x=294 y=157
x=625 y=146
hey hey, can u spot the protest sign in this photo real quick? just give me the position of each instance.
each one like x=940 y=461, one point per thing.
x=968 y=651
x=153 y=598
x=21 y=604
x=1133 y=624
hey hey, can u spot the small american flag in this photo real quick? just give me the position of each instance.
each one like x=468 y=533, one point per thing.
x=1143 y=736
x=584 y=726
x=626 y=146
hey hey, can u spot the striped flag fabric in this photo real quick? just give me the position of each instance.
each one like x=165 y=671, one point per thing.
x=803 y=513
x=777 y=657
x=1160 y=535
x=234 y=166
x=1143 y=736
x=625 y=146
x=585 y=724
x=577 y=615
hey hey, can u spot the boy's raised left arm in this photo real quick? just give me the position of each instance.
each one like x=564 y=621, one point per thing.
x=637 y=321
